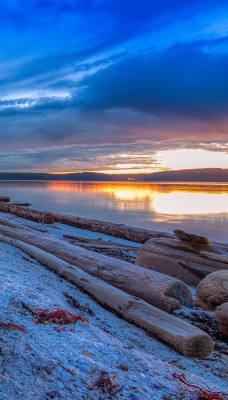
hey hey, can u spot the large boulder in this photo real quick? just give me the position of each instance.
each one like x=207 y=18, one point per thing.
x=221 y=316
x=212 y=291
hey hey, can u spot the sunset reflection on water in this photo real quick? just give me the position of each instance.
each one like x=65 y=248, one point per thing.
x=168 y=199
x=198 y=208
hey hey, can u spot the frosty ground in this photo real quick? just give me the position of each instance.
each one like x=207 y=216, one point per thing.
x=51 y=361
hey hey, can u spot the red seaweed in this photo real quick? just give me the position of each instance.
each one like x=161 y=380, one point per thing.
x=202 y=394
x=106 y=383
x=58 y=316
x=75 y=304
x=11 y=327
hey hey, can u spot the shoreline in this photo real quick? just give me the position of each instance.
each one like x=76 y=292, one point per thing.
x=202 y=212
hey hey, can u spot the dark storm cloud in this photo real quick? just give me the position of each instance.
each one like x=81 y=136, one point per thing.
x=183 y=79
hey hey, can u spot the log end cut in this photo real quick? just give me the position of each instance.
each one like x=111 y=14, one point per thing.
x=47 y=218
x=179 y=291
x=200 y=345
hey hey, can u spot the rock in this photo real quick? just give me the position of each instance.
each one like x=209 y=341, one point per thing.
x=221 y=316
x=66 y=376
x=212 y=291
x=53 y=394
x=191 y=237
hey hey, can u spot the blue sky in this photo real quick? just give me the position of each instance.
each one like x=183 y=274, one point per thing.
x=112 y=85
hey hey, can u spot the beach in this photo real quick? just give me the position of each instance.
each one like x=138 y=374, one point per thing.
x=101 y=355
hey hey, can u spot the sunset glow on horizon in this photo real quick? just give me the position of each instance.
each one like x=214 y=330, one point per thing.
x=164 y=161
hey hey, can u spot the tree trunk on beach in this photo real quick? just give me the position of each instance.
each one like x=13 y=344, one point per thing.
x=14 y=224
x=119 y=230
x=187 y=339
x=27 y=213
x=187 y=261
x=5 y=199
x=162 y=291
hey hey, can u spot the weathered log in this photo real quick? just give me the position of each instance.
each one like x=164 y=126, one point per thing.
x=158 y=289
x=98 y=243
x=221 y=316
x=212 y=291
x=18 y=225
x=119 y=230
x=187 y=339
x=5 y=199
x=216 y=257
x=23 y=212
x=187 y=262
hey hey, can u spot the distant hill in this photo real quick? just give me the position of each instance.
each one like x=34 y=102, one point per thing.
x=188 y=175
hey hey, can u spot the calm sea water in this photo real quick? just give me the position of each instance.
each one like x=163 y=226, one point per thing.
x=197 y=208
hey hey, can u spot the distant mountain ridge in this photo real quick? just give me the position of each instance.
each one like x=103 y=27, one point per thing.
x=189 y=175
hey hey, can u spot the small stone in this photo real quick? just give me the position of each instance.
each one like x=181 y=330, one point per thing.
x=83 y=367
x=53 y=394
x=59 y=370
x=123 y=367
x=87 y=353
x=66 y=376
x=70 y=386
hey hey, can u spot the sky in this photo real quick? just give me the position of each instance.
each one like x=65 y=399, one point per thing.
x=113 y=85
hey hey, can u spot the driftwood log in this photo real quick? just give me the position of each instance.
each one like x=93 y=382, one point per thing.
x=221 y=316
x=162 y=291
x=119 y=230
x=188 y=261
x=187 y=339
x=15 y=224
x=212 y=291
x=5 y=199
x=98 y=243
x=24 y=212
